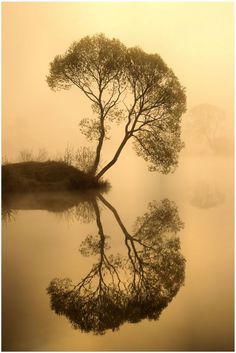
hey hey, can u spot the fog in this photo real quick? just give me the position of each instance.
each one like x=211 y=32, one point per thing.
x=43 y=232
x=194 y=39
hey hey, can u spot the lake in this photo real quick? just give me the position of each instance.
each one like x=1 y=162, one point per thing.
x=147 y=266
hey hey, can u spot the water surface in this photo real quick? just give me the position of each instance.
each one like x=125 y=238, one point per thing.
x=186 y=217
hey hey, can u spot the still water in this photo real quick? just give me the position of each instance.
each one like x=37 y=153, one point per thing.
x=146 y=266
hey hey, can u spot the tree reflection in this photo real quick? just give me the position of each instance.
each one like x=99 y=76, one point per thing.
x=127 y=287
x=206 y=195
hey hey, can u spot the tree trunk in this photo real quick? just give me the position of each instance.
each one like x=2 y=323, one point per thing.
x=99 y=145
x=114 y=159
x=98 y=153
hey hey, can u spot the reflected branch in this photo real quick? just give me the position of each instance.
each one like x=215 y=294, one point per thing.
x=125 y=288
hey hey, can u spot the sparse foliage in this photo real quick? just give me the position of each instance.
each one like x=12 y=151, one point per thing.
x=125 y=85
x=84 y=158
x=68 y=156
x=42 y=155
x=26 y=155
x=82 y=212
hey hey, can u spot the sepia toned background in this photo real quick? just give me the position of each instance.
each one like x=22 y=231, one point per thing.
x=196 y=41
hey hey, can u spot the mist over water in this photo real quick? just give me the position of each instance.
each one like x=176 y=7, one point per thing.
x=41 y=242
x=148 y=264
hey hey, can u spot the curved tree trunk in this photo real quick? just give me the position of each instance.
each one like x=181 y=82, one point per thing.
x=98 y=150
x=114 y=159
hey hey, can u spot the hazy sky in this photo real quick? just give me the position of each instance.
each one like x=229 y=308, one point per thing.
x=194 y=39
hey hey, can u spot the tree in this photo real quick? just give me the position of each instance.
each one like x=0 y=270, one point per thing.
x=206 y=129
x=206 y=195
x=125 y=85
x=121 y=288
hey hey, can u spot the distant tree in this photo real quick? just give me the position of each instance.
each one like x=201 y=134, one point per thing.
x=206 y=126
x=121 y=288
x=206 y=195
x=125 y=85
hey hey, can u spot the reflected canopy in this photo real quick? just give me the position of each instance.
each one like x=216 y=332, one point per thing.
x=127 y=287
x=135 y=284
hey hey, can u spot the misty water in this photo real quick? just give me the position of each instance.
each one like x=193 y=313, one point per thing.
x=46 y=236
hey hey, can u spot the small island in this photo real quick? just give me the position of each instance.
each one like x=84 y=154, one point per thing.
x=46 y=176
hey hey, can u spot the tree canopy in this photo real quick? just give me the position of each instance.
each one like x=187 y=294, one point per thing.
x=125 y=85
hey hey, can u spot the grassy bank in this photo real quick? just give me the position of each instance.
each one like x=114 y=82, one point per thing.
x=46 y=176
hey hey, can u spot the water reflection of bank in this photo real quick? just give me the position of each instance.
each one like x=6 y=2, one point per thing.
x=60 y=203
x=122 y=287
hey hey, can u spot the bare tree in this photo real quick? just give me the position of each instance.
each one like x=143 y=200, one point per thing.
x=42 y=155
x=68 y=155
x=26 y=155
x=125 y=85
x=84 y=158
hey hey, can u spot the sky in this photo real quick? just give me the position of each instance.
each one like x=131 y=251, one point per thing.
x=195 y=39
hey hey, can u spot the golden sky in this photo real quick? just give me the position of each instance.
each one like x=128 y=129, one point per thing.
x=194 y=39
